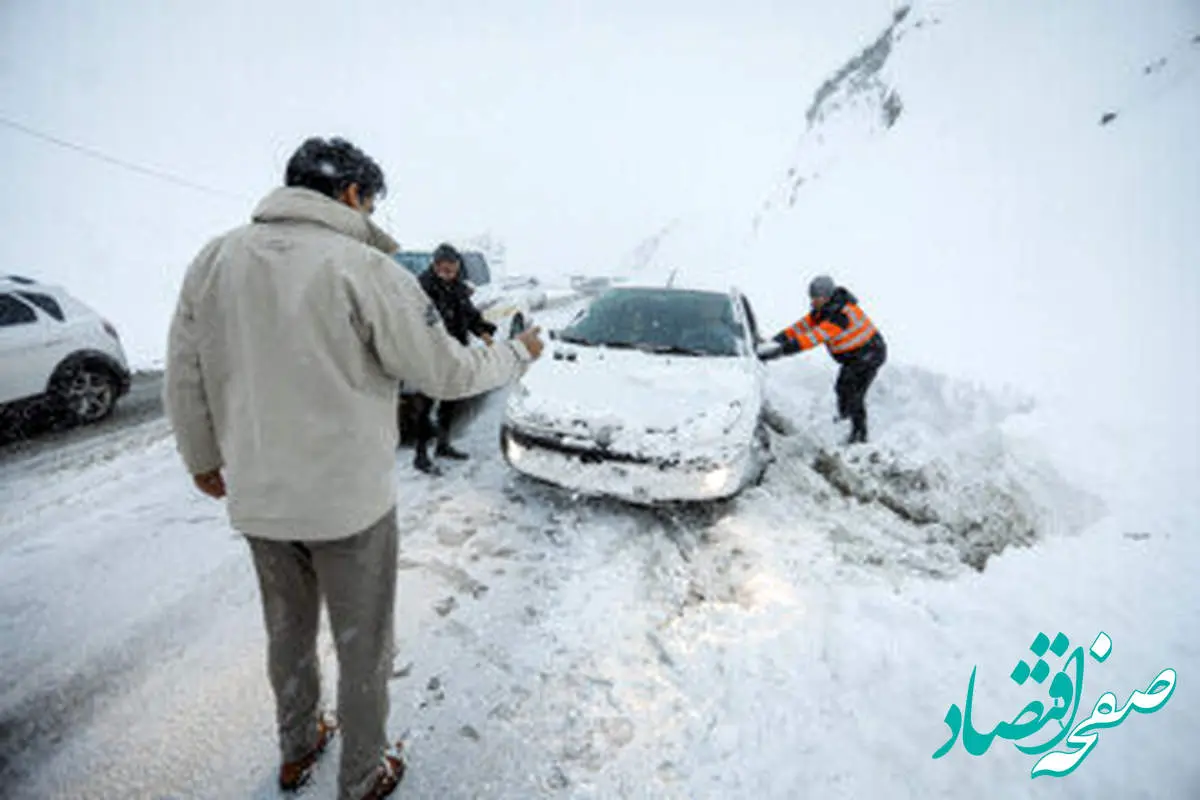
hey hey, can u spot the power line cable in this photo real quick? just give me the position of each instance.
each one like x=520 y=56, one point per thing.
x=118 y=162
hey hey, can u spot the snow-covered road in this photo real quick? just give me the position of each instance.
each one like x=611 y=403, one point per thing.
x=798 y=641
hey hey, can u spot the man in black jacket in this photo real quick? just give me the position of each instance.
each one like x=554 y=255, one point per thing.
x=444 y=284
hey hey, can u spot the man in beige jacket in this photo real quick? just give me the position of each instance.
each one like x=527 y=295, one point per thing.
x=286 y=350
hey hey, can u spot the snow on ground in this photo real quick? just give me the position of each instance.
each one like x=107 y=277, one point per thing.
x=794 y=642
x=806 y=639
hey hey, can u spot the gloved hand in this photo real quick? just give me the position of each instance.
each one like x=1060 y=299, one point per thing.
x=769 y=351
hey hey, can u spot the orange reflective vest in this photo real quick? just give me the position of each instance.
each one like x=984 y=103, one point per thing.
x=856 y=331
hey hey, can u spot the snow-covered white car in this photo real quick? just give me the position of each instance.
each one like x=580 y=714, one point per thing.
x=54 y=347
x=650 y=395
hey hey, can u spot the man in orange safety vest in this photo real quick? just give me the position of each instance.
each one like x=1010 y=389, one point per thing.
x=837 y=321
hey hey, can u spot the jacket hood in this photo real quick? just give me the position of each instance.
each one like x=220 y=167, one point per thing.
x=295 y=204
x=841 y=298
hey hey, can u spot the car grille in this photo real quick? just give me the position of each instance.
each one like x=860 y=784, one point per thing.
x=598 y=454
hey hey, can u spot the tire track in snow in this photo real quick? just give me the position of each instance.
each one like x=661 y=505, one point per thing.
x=45 y=715
x=525 y=663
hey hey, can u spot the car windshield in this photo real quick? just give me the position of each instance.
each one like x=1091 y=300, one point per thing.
x=475 y=266
x=416 y=263
x=676 y=321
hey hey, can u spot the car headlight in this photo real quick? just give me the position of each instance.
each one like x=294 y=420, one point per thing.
x=715 y=480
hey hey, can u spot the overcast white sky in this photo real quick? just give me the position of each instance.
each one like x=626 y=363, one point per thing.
x=570 y=129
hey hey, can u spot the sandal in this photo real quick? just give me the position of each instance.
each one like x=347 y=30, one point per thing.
x=294 y=774
x=391 y=771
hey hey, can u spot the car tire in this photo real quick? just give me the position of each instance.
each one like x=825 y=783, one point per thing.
x=762 y=451
x=87 y=393
x=517 y=327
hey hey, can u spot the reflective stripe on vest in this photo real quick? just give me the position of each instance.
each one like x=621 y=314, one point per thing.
x=806 y=335
x=858 y=333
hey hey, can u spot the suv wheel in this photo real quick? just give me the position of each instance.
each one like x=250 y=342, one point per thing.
x=89 y=394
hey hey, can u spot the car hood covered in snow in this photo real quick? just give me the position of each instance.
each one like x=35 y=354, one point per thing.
x=633 y=402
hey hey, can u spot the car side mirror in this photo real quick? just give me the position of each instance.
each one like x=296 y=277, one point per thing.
x=768 y=350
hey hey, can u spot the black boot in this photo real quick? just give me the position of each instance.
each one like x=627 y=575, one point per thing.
x=447 y=411
x=422 y=462
x=858 y=431
x=446 y=450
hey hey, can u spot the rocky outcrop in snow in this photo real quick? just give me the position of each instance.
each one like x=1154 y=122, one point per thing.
x=855 y=102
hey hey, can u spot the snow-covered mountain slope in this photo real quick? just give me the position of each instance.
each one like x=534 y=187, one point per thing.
x=856 y=102
x=997 y=229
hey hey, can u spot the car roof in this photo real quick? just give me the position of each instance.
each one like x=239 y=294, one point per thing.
x=20 y=283
x=658 y=287
x=429 y=252
x=17 y=281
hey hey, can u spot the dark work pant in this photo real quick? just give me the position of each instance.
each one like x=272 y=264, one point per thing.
x=854 y=379
x=357 y=578
x=426 y=430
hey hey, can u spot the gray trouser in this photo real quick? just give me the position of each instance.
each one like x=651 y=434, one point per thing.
x=357 y=577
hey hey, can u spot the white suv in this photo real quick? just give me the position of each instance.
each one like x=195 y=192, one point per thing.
x=55 y=348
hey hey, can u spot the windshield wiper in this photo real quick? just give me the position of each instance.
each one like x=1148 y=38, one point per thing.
x=601 y=343
x=674 y=350
x=645 y=347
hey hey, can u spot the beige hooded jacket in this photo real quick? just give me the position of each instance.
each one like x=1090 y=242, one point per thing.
x=286 y=350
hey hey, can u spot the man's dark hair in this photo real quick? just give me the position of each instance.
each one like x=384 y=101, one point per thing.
x=446 y=253
x=330 y=166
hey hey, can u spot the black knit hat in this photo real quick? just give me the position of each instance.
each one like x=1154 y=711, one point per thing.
x=446 y=253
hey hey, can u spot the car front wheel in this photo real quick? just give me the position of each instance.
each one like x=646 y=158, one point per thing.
x=88 y=394
x=761 y=449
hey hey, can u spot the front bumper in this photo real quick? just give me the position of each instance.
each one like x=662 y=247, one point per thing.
x=635 y=479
